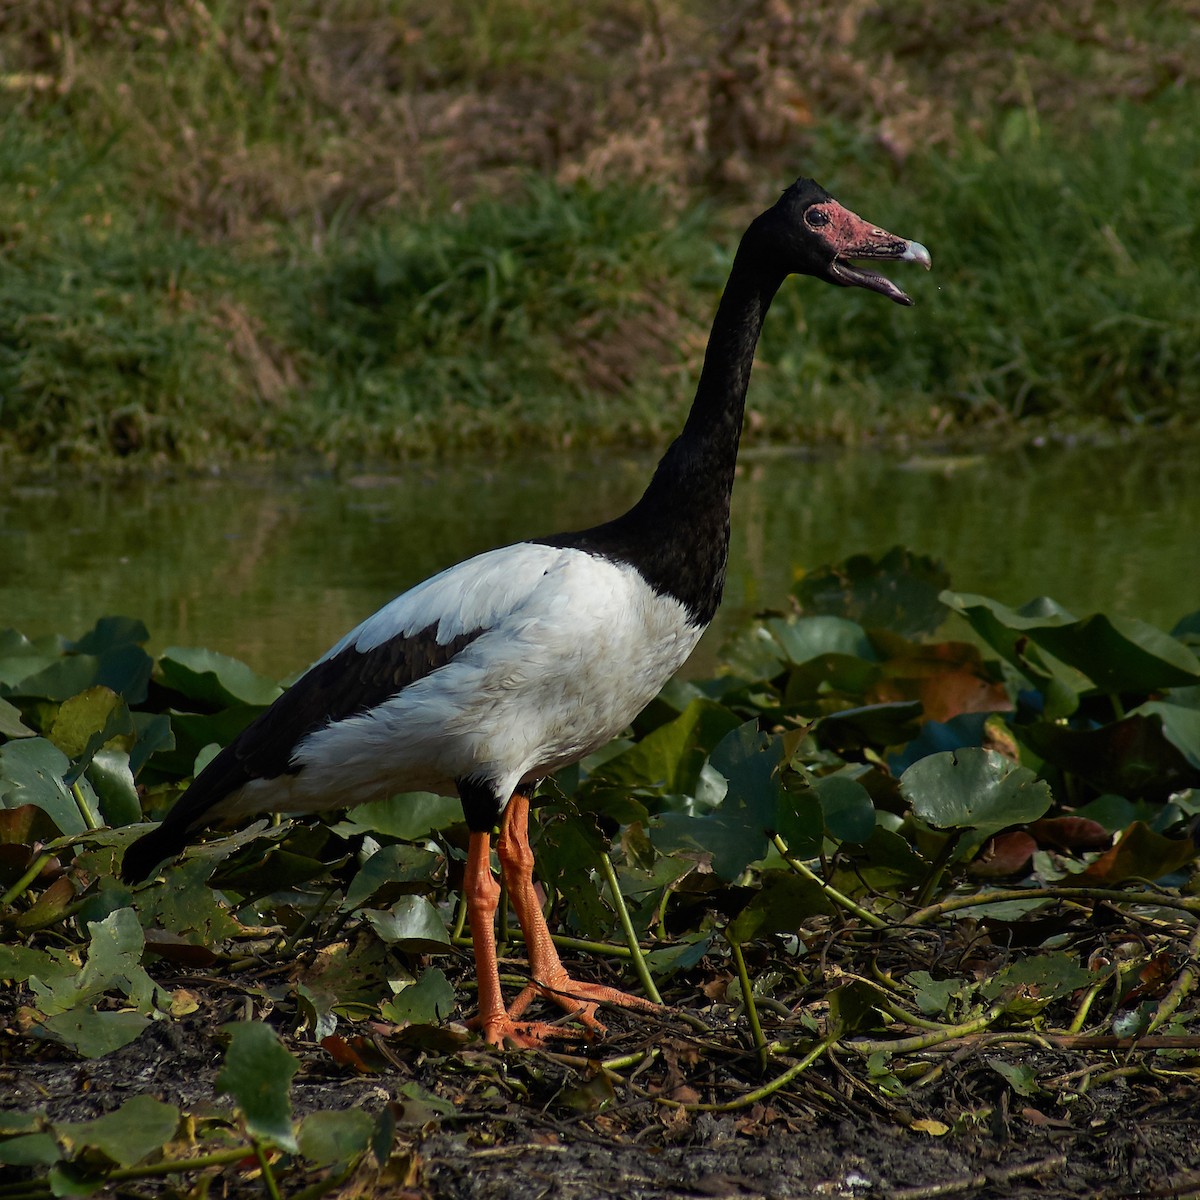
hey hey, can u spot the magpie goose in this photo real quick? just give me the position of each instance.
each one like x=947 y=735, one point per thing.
x=495 y=673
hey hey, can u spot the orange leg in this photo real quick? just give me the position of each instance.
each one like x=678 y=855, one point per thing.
x=482 y=893
x=550 y=978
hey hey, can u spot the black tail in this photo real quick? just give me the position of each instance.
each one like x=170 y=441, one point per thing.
x=190 y=814
x=149 y=850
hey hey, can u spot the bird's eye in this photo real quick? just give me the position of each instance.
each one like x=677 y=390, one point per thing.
x=816 y=217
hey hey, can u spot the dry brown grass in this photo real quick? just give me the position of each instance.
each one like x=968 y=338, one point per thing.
x=311 y=114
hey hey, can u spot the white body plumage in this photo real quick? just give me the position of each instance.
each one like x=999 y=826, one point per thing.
x=571 y=646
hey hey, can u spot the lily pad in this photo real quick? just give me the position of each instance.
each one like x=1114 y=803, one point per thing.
x=973 y=788
x=216 y=679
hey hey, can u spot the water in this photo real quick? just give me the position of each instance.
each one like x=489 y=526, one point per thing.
x=273 y=570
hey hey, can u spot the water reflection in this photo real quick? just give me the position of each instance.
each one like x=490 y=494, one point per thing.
x=274 y=570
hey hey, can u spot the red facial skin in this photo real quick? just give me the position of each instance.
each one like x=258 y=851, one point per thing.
x=852 y=237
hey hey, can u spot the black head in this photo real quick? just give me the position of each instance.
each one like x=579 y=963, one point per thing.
x=807 y=232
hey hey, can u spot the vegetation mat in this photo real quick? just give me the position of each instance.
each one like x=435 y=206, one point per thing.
x=914 y=878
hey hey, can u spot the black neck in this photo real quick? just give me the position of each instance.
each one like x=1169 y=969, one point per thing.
x=677 y=535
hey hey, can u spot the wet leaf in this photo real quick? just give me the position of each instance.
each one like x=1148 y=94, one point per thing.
x=211 y=678
x=390 y=868
x=973 y=789
x=899 y=591
x=139 y=1127
x=413 y=925
x=1005 y=854
x=95 y=1034
x=429 y=1001
x=847 y=808
x=257 y=1074
x=31 y=772
x=409 y=816
x=335 y=1137
x=781 y=905
x=1139 y=854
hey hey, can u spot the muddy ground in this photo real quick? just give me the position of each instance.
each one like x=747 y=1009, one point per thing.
x=531 y=1125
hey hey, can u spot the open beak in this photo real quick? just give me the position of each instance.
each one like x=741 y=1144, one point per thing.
x=850 y=237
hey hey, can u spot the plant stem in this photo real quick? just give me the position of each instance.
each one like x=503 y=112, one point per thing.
x=834 y=895
x=1183 y=984
x=938 y=867
x=89 y=817
x=923 y=916
x=944 y=1034
x=35 y=869
x=635 y=951
x=760 y=1043
x=268 y=1175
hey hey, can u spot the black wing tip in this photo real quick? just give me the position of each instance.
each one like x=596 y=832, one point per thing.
x=146 y=853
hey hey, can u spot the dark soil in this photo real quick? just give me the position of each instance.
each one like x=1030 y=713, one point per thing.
x=529 y=1125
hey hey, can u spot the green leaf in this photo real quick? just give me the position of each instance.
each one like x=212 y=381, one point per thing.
x=30 y=1150
x=87 y=722
x=95 y=1034
x=429 y=1001
x=1132 y=757
x=139 y=1127
x=1041 y=976
x=670 y=757
x=412 y=925
x=109 y=633
x=216 y=679
x=1020 y=1078
x=409 y=816
x=12 y=724
x=335 y=1137
x=899 y=591
x=394 y=867
x=973 y=788
x=110 y=776
x=51 y=967
x=781 y=905
x=934 y=996
x=1117 y=654
x=1121 y=655
x=846 y=806
x=805 y=638
x=257 y=1074
x=1180 y=726
x=735 y=833
x=31 y=772
x=854 y=1006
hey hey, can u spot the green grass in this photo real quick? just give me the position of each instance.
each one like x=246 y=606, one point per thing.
x=223 y=246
